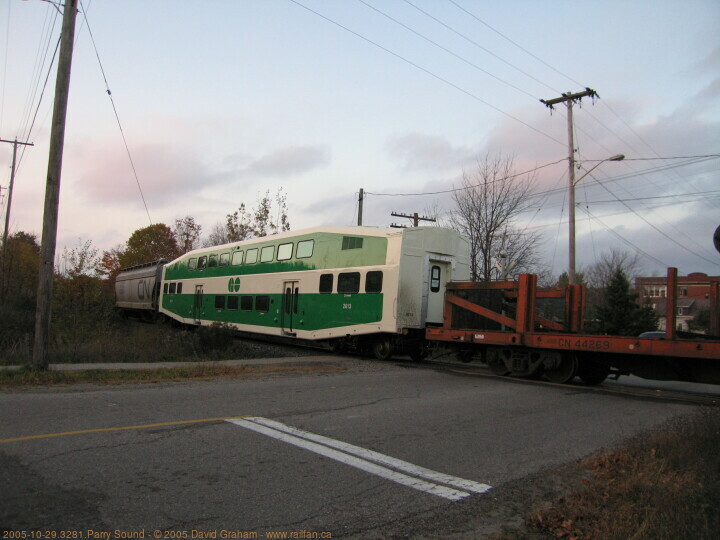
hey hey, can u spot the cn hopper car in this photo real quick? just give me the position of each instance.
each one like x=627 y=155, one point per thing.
x=388 y=291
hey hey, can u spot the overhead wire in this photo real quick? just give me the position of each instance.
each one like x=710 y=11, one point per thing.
x=427 y=71
x=657 y=229
x=488 y=51
x=436 y=44
x=117 y=117
x=465 y=187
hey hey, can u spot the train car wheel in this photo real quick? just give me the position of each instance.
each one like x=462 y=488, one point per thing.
x=564 y=370
x=592 y=373
x=382 y=348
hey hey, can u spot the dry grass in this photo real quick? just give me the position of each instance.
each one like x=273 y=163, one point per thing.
x=665 y=485
x=29 y=377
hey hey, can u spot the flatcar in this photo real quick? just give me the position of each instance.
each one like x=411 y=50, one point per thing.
x=356 y=288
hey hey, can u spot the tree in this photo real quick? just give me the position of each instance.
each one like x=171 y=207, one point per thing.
x=108 y=266
x=619 y=314
x=20 y=262
x=602 y=271
x=80 y=260
x=187 y=234
x=701 y=321
x=257 y=222
x=486 y=206
x=149 y=244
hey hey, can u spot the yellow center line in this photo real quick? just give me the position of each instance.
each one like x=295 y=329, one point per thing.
x=123 y=428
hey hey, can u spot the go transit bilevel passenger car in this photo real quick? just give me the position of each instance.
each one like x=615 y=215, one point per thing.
x=357 y=288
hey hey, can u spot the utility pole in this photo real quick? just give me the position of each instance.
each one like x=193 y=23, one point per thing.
x=52 y=188
x=360 y=206
x=7 y=212
x=415 y=218
x=569 y=99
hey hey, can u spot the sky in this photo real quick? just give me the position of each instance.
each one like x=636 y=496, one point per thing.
x=221 y=101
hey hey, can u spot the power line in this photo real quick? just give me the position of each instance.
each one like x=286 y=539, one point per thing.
x=436 y=44
x=427 y=71
x=478 y=19
x=483 y=49
x=464 y=187
x=651 y=224
x=117 y=117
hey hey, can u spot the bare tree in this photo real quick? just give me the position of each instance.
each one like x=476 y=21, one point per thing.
x=257 y=222
x=599 y=274
x=486 y=205
x=187 y=233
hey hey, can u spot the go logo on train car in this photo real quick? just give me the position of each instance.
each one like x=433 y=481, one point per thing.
x=234 y=284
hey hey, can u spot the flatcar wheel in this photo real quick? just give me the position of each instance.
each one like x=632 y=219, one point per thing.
x=382 y=348
x=592 y=373
x=496 y=363
x=565 y=370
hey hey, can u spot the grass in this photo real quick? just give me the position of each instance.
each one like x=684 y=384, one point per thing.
x=133 y=341
x=663 y=485
x=27 y=377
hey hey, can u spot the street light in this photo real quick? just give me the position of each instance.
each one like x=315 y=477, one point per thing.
x=572 y=184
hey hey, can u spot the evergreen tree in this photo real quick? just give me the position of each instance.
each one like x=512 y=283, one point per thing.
x=619 y=314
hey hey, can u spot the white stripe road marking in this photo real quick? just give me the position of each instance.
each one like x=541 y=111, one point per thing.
x=377 y=457
x=255 y=424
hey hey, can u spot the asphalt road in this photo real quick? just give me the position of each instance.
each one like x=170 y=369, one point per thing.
x=246 y=457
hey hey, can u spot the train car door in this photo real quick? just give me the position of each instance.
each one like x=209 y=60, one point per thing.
x=439 y=275
x=197 y=303
x=291 y=297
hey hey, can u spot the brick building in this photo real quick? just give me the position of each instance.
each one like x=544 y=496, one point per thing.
x=693 y=293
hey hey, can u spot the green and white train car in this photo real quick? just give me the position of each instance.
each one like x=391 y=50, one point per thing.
x=353 y=287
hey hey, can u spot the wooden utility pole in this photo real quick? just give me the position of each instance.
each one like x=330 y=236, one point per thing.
x=52 y=188
x=360 y=206
x=416 y=219
x=569 y=99
x=7 y=212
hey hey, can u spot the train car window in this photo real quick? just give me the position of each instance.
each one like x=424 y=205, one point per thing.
x=267 y=253
x=212 y=263
x=435 y=279
x=284 y=252
x=262 y=303
x=179 y=288
x=251 y=257
x=373 y=282
x=172 y=288
x=232 y=303
x=202 y=262
x=326 y=283
x=224 y=259
x=219 y=302
x=237 y=258
x=305 y=249
x=349 y=282
x=192 y=264
x=165 y=288
x=352 y=242
x=246 y=303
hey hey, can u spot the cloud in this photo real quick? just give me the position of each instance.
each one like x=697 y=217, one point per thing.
x=420 y=152
x=289 y=161
x=107 y=176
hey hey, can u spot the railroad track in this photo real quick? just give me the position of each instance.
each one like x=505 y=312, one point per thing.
x=610 y=386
